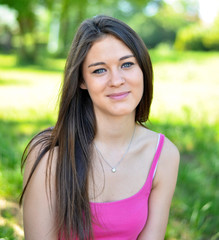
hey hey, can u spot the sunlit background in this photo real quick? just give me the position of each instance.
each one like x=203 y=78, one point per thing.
x=183 y=40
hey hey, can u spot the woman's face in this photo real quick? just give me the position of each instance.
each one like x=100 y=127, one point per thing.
x=112 y=77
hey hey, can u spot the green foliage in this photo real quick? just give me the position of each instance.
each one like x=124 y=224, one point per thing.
x=190 y=38
x=48 y=26
x=160 y=27
x=211 y=39
x=153 y=33
x=198 y=37
x=7 y=232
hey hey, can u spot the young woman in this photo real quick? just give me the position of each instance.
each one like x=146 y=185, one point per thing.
x=100 y=173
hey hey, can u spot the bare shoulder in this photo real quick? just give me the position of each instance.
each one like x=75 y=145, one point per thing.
x=36 y=147
x=163 y=188
x=39 y=202
x=168 y=164
x=147 y=137
x=169 y=150
x=170 y=153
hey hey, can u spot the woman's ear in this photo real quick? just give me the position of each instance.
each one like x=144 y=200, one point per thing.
x=83 y=85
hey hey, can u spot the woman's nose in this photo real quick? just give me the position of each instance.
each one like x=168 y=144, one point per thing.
x=116 y=79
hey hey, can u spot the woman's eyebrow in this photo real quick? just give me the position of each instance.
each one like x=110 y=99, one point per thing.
x=96 y=64
x=103 y=63
x=125 y=57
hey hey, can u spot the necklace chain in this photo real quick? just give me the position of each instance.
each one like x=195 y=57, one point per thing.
x=113 y=169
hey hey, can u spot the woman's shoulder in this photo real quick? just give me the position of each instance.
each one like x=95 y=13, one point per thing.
x=170 y=150
x=38 y=154
x=46 y=133
x=146 y=135
x=39 y=199
x=151 y=137
x=168 y=162
x=147 y=138
x=169 y=153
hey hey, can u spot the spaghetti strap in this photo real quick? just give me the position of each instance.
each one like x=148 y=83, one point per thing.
x=156 y=156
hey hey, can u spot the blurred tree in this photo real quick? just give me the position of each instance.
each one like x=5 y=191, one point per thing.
x=59 y=17
x=73 y=12
x=211 y=38
x=198 y=37
x=159 y=22
x=154 y=20
x=27 y=22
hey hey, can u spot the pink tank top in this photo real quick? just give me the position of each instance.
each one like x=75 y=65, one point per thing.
x=126 y=218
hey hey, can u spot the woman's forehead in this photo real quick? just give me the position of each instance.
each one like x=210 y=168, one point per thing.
x=107 y=47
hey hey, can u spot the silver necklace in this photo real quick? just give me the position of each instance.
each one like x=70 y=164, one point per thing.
x=113 y=169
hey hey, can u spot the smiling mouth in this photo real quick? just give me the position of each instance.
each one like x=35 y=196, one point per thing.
x=118 y=96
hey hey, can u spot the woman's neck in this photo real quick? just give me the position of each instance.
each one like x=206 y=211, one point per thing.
x=115 y=131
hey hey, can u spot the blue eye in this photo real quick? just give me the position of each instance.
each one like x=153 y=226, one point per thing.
x=99 y=71
x=127 y=64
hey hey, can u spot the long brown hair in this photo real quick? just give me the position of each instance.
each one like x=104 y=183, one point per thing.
x=75 y=128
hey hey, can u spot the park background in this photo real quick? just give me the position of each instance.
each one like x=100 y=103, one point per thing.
x=183 y=39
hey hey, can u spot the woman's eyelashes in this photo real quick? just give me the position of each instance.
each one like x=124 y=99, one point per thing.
x=103 y=70
x=99 y=71
x=127 y=64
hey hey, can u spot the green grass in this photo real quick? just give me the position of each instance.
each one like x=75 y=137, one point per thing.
x=185 y=109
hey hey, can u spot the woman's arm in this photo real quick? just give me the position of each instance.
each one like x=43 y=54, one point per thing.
x=161 y=194
x=38 y=211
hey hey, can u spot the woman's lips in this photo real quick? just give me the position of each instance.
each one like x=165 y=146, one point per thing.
x=118 y=96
